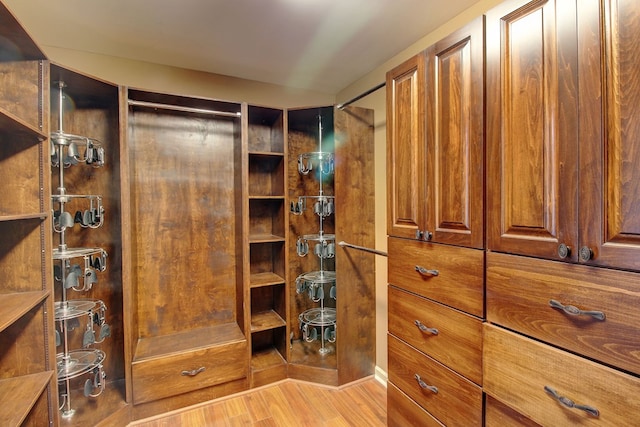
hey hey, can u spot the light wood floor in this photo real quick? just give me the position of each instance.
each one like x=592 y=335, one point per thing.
x=287 y=403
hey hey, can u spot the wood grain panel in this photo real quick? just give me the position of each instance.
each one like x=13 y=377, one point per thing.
x=498 y=414
x=404 y=412
x=460 y=279
x=531 y=134
x=354 y=184
x=458 y=342
x=517 y=369
x=455 y=136
x=457 y=402
x=519 y=291
x=609 y=131
x=184 y=226
x=406 y=192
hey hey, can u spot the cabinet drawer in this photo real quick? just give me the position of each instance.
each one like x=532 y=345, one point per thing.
x=519 y=291
x=404 y=412
x=457 y=341
x=460 y=279
x=517 y=370
x=497 y=414
x=456 y=402
x=163 y=376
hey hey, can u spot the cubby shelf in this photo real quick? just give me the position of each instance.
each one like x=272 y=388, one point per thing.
x=16 y=305
x=23 y=392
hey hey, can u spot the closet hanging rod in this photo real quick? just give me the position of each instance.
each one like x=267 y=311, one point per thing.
x=362 y=95
x=183 y=109
x=361 y=248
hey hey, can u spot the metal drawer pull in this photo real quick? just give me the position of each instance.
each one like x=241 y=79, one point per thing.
x=193 y=373
x=570 y=403
x=424 y=328
x=424 y=271
x=424 y=385
x=575 y=311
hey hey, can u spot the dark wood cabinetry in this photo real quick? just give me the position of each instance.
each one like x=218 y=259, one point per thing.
x=562 y=85
x=27 y=358
x=435 y=162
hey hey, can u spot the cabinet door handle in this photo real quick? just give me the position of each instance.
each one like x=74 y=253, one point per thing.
x=575 y=311
x=193 y=372
x=424 y=235
x=565 y=401
x=425 y=271
x=424 y=328
x=426 y=386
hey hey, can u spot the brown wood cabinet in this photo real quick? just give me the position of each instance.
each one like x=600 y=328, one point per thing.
x=559 y=131
x=435 y=140
x=27 y=355
x=435 y=162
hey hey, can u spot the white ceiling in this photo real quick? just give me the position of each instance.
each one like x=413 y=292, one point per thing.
x=322 y=45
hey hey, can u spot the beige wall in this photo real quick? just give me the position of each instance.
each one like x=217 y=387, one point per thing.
x=154 y=77
x=376 y=101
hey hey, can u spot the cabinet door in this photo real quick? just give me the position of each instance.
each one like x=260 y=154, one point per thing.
x=455 y=137
x=609 y=191
x=531 y=127
x=406 y=148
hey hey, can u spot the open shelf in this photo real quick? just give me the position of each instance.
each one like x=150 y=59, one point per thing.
x=265 y=279
x=21 y=393
x=266 y=174
x=266 y=130
x=16 y=305
x=266 y=320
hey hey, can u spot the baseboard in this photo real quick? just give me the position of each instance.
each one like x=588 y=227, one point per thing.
x=381 y=376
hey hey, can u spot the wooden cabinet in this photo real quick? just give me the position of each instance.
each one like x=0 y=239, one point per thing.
x=560 y=134
x=406 y=145
x=266 y=252
x=27 y=359
x=435 y=140
x=348 y=350
x=556 y=388
x=435 y=161
x=182 y=181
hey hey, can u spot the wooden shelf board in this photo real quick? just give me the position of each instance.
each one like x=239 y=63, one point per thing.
x=265 y=238
x=266 y=153
x=16 y=305
x=266 y=358
x=266 y=197
x=19 y=395
x=22 y=217
x=266 y=320
x=11 y=124
x=258 y=280
x=160 y=346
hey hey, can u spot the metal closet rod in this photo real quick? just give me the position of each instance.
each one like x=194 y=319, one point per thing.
x=362 y=95
x=361 y=248
x=183 y=109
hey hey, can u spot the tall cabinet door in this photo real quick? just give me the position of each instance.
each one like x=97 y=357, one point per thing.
x=531 y=128
x=406 y=148
x=455 y=137
x=609 y=133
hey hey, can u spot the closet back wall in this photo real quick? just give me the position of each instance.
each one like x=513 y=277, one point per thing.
x=183 y=220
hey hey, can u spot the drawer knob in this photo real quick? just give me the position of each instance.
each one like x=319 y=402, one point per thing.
x=570 y=403
x=564 y=251
x=426 y=386
x=424 y=235
x=585 y=254
x=426 y=271
x=424 y=328
x=193 y=372
x=575 y=311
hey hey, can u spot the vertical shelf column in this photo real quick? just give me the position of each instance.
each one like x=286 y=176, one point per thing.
x=266 y=252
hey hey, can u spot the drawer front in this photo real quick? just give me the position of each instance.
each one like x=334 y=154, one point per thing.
x=518 y=371
x=519 y=291
x=498 y=414
x=404 y=412
x=460 y=273
x=452 y=337
x=456 y=401
x=163 y=377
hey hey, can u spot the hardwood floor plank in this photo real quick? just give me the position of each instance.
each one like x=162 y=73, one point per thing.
x=286 y=403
